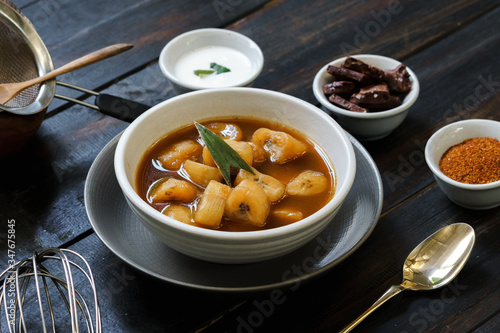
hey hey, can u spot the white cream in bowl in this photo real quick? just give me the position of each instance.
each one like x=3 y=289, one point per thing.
x=240 y=67
x=197 y=49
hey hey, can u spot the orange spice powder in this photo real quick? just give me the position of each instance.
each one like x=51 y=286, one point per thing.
x=474 y=161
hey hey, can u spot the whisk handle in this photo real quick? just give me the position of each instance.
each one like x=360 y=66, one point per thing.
x=120 y=108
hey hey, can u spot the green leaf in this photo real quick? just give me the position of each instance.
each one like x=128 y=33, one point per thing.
x=219 y=69
x=224 y=156
x=203 y=72
x=215 y=69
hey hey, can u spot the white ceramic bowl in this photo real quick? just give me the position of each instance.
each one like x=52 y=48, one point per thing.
x=197 y=39
x=372 y=125
x=222 y=246
x=473 y=196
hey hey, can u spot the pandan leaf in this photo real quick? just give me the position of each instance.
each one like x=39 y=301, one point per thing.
x=219 y=69
x=223 y=155
x=203 y=72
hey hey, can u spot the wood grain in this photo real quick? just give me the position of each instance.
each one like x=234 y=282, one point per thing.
x=337 y=297
x=73 y=28
x=451 y=45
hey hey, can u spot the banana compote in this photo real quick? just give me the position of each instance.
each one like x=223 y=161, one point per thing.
x=291 y=179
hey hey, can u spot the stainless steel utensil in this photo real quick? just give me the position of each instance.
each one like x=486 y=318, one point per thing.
x=47 y=281
x=11 y=90
x=432 y=264
x=23 y=56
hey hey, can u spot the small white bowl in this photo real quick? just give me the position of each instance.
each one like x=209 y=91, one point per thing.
x=223 y=246
x=194 y=40
x=372 y=125
x=473 y=196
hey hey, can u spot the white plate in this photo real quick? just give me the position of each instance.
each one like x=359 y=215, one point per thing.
x=122 y=232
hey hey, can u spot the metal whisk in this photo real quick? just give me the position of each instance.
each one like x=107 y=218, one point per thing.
x=53 y=292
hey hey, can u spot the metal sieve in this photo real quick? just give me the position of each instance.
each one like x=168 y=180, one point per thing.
x=23 y=56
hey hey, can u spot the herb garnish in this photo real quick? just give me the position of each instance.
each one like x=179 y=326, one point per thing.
x=223 y=155
x=215 y=69
x=203 y=72
x=219 y=69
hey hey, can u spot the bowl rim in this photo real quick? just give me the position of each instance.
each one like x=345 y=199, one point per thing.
x=410 y=98
x=435 y=166
x=250 y=236
x=223 y=33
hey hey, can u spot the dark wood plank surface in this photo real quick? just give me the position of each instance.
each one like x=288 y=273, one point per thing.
x=452 y=46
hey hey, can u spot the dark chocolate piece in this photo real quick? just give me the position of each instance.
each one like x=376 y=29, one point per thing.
x=357 y=65
x=391 y=103
x=373 y=94
x=343 y=103
x=344 y=74
x=398 y=80
x=339 y=87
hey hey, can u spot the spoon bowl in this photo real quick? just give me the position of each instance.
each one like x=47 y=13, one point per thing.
x=431 y=265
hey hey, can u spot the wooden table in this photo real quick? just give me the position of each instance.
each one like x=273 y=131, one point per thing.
x=452 y=46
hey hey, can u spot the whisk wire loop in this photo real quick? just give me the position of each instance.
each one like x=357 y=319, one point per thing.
x=16 y=293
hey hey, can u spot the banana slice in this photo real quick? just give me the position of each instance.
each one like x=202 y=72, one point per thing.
x=274 y=188
x=244 y=149
x=211 y=206
x=307 y=183
x=178 y=212
x=259 y=154
x=248 y=203
x=176 y=154
x=226 y=130
x=174 y=189
x=280 y=146
x=201 y=174
x=288 y=215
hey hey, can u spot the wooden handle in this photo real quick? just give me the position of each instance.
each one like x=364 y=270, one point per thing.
x=86 y=60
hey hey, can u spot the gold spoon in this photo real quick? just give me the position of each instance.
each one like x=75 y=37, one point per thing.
x=11 y=90
x=432 y=264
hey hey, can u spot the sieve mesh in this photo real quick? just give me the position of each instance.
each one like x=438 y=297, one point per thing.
x=17 y=64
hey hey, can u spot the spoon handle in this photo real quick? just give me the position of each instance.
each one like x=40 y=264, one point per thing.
x=81 y=62
x=392 y=291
